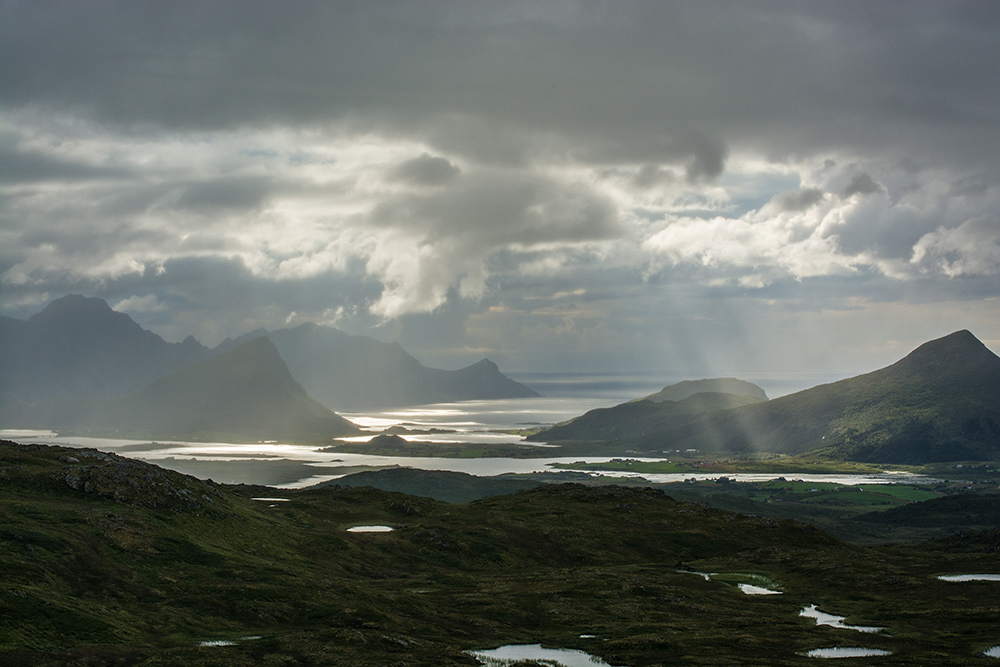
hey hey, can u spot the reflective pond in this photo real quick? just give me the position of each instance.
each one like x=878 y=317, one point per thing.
x=507 y=655
x=993 y=652
x=822 y=618
x=750 y=589
x=370 y=529
x=847 y=652
x=969 y=577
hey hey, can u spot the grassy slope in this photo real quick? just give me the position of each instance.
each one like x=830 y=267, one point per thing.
x=940 y=403
x=110 y=561
x=452 y=487
x=637 y=419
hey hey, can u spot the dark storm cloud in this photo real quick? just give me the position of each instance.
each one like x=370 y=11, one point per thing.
x=425 y=169
x=227 y=192
x=799 y=201
x=18 y=166
x=637 y=78
x=862 y=184
x=504 y=207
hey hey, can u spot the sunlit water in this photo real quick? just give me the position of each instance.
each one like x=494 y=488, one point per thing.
x=847 y=652
x=993 y=652
x=370 y=529
x=507 y=655
x=969 y=577
x=822 y=618
x=315 y=466
x=245 y=462
x=479 y=422
x=750 y=589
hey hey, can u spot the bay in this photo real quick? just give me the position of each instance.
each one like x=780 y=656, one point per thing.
x=568 y=395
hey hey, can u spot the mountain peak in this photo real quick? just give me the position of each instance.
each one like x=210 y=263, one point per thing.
x=73 y=306
x=485 y=363
x=953 y=352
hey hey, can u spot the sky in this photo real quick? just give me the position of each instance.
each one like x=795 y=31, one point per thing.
x=688 y=188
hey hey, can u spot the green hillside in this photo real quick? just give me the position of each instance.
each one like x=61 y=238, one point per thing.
x=109 y=561
x=639 y=419
x=940 y=403
x=681 y=390
x=452 y=487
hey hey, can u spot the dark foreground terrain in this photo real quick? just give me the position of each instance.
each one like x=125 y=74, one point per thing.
x=109 y=561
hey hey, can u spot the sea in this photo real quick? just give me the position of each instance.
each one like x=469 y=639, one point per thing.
x=483 y=422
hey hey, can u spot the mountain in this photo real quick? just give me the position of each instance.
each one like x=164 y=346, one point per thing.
x=681 y=390
x=247 y=391
x=640 y=419
x=79 y=347
x=245 y=394
x=347 y=372
x=939 y=403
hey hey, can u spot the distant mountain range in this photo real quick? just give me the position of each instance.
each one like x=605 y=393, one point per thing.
x=246 y=393
x=79 y=348
x=940 y=403
x=347 y=372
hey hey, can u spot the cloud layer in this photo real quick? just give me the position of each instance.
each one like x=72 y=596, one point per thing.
x=574 y=184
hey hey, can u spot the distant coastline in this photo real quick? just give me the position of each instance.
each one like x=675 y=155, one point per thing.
x=626 y=386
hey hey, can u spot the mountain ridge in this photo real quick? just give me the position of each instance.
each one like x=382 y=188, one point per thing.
x=78 y=347
x=246 y=393
x=941 y=402
x=383 y=374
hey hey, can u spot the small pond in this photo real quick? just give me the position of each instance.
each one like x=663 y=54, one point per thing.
x=993 y=652
x=847 y=652
x=217 y=642
x=750 y=589
x=749 y=583
x=507 y=655
x=969 y=577
x=370 y=529
x=822 y=618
